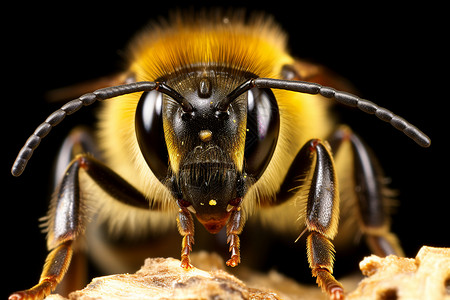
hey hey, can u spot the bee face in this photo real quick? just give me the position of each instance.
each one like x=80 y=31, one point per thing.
x=205 y=154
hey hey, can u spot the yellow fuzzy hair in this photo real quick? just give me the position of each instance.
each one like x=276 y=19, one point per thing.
x=215 y=40
x=256 y=46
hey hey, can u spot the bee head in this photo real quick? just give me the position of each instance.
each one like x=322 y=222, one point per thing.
x=211 y=143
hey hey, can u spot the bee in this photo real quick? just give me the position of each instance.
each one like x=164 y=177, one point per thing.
x=215 y=119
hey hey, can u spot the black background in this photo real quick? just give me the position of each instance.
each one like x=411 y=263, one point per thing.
x=394 y=55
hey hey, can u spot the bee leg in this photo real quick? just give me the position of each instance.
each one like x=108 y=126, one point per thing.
x=68 y=217
x=65 y=224
x=56 y=264
x=320 y=252
x=80 y=140
x=234 y=228
x=322 y=210
x=186 y=228
x=322 y=215
x=372 y=204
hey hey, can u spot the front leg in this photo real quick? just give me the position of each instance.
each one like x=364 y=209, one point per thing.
x=322 y=215
x=185 y=224
x=67 y=218
x=234 y=228
x=315 y=162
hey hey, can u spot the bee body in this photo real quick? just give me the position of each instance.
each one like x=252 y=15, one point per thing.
x=211 y=120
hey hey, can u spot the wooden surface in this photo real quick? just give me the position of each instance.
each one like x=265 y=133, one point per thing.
x=425 y=277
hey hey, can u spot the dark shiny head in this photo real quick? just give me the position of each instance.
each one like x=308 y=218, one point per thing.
x=209 y=153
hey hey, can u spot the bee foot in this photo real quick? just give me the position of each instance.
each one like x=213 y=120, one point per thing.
x=37 y=292
x=185 y=262
x=337 y=293
x=329 y=284
x=233 y=261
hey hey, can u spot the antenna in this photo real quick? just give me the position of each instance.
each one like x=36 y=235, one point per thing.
x=342 y=97
x=87 y=99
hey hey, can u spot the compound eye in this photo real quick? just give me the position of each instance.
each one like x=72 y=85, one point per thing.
x=150 y=133
x=263 y=125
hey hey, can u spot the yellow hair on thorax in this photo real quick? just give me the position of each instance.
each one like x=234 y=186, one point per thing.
x=220 y=41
